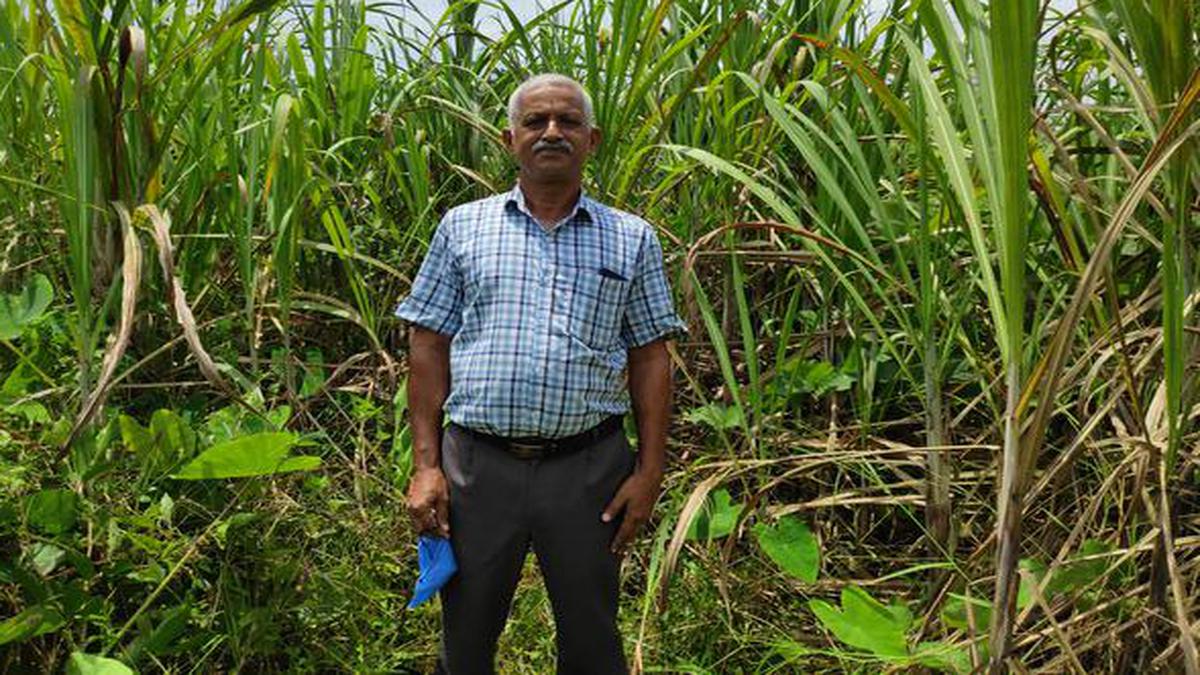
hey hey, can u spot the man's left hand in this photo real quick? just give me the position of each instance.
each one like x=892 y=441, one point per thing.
x=636 y=497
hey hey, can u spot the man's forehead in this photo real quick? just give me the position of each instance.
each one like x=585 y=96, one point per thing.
x=550 y=95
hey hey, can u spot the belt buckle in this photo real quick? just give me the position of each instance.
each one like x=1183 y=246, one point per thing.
x=527 y=450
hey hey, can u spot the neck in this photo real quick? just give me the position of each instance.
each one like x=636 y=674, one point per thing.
x=550 y=202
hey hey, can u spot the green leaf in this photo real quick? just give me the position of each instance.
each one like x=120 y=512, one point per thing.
x=19 y=311
x=715 y=415
x=52 y=511
x=45 y=558
x=260 y=454
x=716 y=518
x=1037 y=570
x=34 y=621
x=792 y=546
x=865 y=623
x=954 y=613
x=163 y=445
x=817 y=377
x=943 y=657
x=1077 y=574
x=90 y=664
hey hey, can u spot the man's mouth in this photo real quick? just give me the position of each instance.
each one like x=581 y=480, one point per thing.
x=563 y=148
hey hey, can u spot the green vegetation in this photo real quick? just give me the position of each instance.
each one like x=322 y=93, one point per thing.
x=938 y=409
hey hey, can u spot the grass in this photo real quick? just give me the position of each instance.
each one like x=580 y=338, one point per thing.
x=938 y=262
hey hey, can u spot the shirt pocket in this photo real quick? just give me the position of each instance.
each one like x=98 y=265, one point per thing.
x=597 y=300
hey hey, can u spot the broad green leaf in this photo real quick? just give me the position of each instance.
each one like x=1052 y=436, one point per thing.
x=90 y=664
x=52 y=511
x=717 y=416
x=815 y=377
x=865 y=623
x=792 y=546
x=32 y=622
x=20 y=310
x=716 y=518
x=45 y=558
x=168 y=441
x=260 y=454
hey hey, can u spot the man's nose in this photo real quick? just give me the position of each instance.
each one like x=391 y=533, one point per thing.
x=552 y=130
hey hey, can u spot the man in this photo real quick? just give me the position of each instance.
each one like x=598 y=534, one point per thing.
x=524 y=315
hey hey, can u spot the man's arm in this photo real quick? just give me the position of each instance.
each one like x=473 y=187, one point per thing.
x=428 y=385
x=650 y=392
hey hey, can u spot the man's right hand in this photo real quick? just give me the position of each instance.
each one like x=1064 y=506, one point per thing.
x=429 y=502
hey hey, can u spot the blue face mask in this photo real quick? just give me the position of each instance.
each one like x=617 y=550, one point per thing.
x=436 y=559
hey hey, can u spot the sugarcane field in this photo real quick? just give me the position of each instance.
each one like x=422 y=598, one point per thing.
x=599 y=336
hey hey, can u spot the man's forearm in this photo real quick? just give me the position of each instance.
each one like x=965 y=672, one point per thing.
x=650 y=392
x=428 y=385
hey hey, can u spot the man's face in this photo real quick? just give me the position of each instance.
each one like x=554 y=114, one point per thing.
x=551 y=137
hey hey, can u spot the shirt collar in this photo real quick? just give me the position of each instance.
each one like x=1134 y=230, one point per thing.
x=584 y=206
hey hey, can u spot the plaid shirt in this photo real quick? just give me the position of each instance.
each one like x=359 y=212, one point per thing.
x=541 y=319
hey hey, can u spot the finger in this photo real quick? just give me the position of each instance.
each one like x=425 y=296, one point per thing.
x=442 y=514
x=624 y=534
x=614 y=507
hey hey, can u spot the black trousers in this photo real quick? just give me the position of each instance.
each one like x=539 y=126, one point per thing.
x=500 y=507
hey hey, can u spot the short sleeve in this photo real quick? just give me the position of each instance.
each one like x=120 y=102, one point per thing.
x=650 y=312
x=435 y=300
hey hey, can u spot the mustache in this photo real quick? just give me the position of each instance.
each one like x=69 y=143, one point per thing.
x=563 y=146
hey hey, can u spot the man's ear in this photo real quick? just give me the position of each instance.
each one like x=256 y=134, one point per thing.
x=507 y=137
x=596 y=136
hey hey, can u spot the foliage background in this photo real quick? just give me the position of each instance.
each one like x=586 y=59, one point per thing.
x=937 y=411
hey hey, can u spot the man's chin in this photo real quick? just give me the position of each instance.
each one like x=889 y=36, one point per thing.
x=547 y=175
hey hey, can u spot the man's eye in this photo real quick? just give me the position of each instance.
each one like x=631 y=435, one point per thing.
x=535 y=122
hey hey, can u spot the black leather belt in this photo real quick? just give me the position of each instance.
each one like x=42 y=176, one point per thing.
x=533 y=447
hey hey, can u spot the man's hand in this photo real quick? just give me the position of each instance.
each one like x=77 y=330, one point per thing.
x=636 y=497
x=429 y=502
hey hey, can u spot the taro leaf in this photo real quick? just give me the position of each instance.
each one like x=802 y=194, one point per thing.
x=716 y=416
x=20 y=310
x=260 y=454
x=716 y=518
x=35 y=621
x=52 y=511
x=865 y=623
x=792 y=546
x=90 y=664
